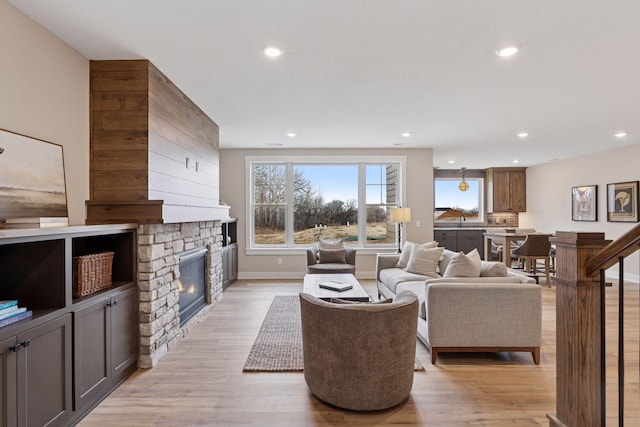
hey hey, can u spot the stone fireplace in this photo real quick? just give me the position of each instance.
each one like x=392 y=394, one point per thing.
x=159 y=249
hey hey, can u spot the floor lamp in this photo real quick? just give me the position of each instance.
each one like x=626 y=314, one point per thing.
x=400 y=215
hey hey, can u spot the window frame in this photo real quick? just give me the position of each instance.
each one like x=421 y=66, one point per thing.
x=289 y=247
x=482 y=211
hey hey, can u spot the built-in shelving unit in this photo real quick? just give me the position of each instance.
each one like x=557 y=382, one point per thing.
x=73 y=360
x=229 y=252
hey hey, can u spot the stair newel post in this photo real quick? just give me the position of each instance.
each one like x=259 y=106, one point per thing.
x=579 y=362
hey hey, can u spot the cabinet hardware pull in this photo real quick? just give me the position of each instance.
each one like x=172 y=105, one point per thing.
x=115 y=302
x=109 y=304
x=16 y=347
x=26 y=343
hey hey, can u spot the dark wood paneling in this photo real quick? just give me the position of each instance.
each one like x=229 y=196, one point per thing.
x=138 y=114
x=104 y=212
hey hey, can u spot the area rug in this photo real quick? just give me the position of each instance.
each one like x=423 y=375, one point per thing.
x=278 y=346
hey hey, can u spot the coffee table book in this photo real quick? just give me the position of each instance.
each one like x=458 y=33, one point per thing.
x=335 y=286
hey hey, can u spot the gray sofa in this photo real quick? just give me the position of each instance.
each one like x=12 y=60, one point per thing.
x=469 y=314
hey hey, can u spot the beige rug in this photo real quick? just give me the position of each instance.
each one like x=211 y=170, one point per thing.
x=278 y=346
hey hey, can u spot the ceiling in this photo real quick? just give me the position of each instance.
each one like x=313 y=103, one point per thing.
x=358 y=73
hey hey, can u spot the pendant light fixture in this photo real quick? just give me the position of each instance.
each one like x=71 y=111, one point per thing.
x=464 y=185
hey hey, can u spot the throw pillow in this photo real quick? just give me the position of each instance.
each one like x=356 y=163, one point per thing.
x=406 y=251
x=424 y=261
x=330 y=244
x=464 y=265
x=333 y=256
x=493 y=269
x=447 y=256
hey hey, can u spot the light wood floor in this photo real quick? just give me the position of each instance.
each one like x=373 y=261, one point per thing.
x=201 y=382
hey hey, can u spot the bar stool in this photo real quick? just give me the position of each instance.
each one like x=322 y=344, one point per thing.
x=535 y=247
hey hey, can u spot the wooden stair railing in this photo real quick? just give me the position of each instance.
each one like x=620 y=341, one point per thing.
x=581 y=261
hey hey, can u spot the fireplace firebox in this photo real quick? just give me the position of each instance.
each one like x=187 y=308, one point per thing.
x=192 y=283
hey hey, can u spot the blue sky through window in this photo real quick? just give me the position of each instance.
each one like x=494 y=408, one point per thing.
x=448 y=195
x=334 y=182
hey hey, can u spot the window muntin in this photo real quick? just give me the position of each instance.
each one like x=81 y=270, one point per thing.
x=295 y=203
x=451 y=203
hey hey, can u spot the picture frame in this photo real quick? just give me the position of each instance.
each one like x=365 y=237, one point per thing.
x=622 y=202
x=584 y=203
x=32 y=181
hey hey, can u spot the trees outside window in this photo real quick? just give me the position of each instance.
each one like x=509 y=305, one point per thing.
x=296 y=203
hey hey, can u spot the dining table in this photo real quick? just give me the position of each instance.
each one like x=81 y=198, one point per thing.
x=502 y=238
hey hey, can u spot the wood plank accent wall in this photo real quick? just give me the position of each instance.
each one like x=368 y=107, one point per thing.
x=154 y=153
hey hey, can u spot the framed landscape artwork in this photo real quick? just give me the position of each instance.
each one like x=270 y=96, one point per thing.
x=32 y=182
x=584 y=203
x=622 y=202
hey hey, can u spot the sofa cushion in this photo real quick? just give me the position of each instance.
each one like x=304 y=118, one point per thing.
x=464 y=265
x=336 y=256
x=406 y=251
x=392 y=276
x=418 y=288
x=424 y=261
x=493 y=269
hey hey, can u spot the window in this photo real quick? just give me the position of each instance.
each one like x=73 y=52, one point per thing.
x=453 y=205
x=295 y=202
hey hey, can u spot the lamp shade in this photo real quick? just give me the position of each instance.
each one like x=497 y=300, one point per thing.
x=401 y=214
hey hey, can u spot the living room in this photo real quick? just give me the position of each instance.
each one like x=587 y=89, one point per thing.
x=45 y=94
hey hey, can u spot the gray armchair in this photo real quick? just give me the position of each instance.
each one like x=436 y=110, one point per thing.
x=359 y=356
x=315 y=264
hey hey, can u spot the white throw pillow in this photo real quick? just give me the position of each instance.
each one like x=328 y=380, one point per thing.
x=462 y=265
x=330 y=244
x=424 y=261
x=406 y=251
x=493 y=269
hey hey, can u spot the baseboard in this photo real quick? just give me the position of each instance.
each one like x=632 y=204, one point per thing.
x=290 y=275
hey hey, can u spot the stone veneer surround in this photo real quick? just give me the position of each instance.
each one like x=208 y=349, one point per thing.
x=158 y=248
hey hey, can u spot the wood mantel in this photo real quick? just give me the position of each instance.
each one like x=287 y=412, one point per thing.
x=154 y=153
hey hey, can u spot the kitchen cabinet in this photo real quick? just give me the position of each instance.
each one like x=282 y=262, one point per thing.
x=506 y=190
x=460 y=239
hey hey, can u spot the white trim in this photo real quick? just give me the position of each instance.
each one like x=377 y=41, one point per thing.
x=289 y=161
x=295 y=275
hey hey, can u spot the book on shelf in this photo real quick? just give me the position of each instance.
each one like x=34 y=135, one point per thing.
x=15 y=318
x=18 y=310
x=335 y=286
x=8 y=303
x=9 y=309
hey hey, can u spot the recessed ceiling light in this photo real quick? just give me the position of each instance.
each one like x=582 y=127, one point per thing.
x=507 y=51
x=272 y=51
x=451 y=162
x=291 y=134
x=406 y=134
x=621 y=134
x=516 y=161
x=273 y=144
x=523 y=135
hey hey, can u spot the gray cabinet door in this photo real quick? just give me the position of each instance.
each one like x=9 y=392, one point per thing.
x=471 y=239
x=446 y=239
x=233 y=263
x=91 y=355
x=123 y=333
x=44 y=374
x=8 y=383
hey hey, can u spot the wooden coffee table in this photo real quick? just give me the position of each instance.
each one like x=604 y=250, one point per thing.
x=356 y=293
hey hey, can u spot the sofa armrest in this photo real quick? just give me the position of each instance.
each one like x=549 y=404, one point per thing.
x=312 y=256
x=385 y=261
x=484 y=315
x=350 y=255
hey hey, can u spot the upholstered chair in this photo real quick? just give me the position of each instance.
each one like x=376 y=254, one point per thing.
x=535 y=247
x=321 y=261
x=359 y=356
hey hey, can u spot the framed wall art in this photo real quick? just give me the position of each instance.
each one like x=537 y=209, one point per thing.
x=622 y=202
x=584 y=203
x=32 y=182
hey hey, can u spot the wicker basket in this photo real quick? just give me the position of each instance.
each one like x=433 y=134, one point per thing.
x=91 y=273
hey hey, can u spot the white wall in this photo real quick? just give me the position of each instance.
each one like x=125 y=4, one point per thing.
x=549 y=195
x=419 y=197
x=44 y=93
